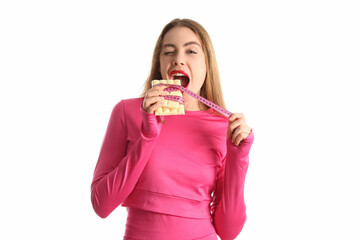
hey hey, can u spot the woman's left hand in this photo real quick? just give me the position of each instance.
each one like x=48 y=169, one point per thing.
x=238 y=128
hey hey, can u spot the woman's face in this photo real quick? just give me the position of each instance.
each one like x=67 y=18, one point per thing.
x=182 y=57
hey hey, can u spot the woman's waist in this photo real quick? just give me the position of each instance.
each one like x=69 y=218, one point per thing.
x=168 y=204
x=143 y=224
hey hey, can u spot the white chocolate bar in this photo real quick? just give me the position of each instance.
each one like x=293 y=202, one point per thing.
x=170 y=107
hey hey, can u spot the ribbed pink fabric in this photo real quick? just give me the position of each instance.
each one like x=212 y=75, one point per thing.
x=172 y=173
x=142 y=224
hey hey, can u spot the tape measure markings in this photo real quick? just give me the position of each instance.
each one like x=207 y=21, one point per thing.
x=174 y=98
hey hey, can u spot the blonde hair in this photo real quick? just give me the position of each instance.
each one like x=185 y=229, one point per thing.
x=211 y=88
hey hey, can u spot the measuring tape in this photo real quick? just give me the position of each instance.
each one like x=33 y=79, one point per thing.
x=208 y=103
x=174 y=98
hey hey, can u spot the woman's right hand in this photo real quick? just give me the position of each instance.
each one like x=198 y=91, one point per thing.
x=154 y=98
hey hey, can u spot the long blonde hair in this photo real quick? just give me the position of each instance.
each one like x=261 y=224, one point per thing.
x=211 y=88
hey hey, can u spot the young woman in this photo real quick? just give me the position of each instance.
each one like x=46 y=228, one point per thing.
x=182 y=178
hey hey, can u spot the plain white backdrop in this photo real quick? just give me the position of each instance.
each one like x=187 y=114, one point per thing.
x=291 y=67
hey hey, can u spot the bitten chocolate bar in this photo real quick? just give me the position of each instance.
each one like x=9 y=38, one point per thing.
x=170 y=107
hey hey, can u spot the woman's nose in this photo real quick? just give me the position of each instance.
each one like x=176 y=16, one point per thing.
x=178 y=60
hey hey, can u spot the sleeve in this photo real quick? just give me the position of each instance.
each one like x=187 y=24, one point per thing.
x=117 y=171
x=228 y=209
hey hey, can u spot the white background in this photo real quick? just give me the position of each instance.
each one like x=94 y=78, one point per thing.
x=290 y=66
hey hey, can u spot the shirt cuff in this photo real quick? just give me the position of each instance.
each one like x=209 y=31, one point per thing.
x=150 y=124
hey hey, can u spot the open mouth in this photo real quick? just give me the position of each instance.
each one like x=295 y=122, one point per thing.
x=182 y=76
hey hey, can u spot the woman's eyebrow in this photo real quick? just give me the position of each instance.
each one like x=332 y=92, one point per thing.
x=191 y=43
x=168 y=45
x=186 y=44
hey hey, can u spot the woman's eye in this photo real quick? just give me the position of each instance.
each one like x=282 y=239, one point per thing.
x=168 y=53
x=192 y=52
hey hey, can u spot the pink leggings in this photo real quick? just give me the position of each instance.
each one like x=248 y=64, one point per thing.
x=147 y=225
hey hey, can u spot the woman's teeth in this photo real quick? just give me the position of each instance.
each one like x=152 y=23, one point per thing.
x=178 y=75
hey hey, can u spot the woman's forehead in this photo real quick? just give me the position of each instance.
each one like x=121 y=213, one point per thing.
x=180 y=36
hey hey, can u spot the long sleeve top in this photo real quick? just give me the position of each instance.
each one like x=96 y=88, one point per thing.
x=185 y=167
